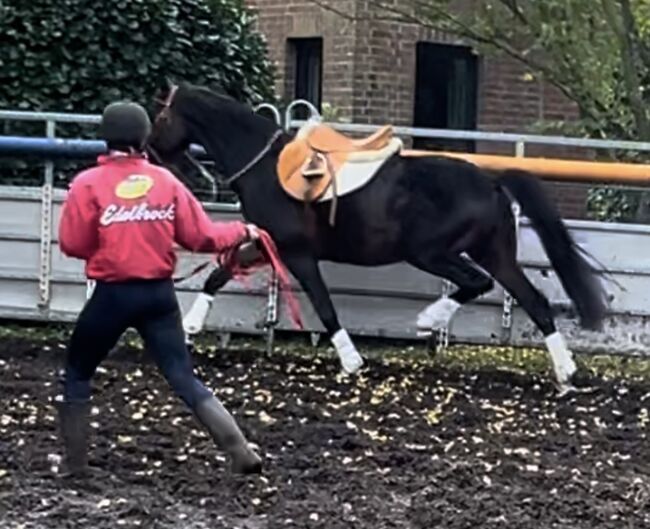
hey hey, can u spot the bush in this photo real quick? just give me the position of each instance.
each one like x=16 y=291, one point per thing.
x=79 y=55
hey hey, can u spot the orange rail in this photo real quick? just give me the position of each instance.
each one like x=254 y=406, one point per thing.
x=553 y=168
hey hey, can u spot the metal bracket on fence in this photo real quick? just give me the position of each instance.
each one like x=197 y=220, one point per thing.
x=442 y=335
x=271 y=311
x=224 y=339
x=45 y=245
x=313 y=112
x=506 y=317
x=273 y=109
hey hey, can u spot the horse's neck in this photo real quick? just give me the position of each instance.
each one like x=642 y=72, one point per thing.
x=236 y=146
x=261 y=176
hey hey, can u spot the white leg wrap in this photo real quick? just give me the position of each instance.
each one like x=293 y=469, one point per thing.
x=195 y=318
x=351 y=360
x=561 y=356
x=438 y=314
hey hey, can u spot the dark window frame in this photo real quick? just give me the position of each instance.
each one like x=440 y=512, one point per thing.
x=441 y=71
x=306 y=55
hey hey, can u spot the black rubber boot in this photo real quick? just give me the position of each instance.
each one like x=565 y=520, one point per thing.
x=228 y=437
x=73 y=421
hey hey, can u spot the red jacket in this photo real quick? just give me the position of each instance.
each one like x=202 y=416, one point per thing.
x=124 y=215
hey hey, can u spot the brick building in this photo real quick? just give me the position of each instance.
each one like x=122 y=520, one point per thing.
x=378 y=72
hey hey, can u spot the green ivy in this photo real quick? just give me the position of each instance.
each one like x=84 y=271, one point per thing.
x=80 y=55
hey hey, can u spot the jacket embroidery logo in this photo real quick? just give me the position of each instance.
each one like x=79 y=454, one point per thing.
x=134 y=186
x=140 y=213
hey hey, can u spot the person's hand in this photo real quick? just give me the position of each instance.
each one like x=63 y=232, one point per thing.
x=253 y=232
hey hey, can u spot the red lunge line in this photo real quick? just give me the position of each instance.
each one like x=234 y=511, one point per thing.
x=269 y=255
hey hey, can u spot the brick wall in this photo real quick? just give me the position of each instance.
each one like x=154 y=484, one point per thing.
x=369 y=72
x=279 y=20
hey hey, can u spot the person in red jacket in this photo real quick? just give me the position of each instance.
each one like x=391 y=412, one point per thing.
x=123 y=217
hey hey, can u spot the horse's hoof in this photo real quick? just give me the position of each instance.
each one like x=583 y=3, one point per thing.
x=573 y=388
x=351 y=364
x=438 y=315
x=565 y=391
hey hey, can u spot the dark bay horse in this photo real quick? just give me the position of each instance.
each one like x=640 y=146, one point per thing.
x=441 y=215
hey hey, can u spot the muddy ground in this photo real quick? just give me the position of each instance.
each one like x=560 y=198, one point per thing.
x=407 y=445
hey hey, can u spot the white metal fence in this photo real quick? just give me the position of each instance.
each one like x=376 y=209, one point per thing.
x=38 y=282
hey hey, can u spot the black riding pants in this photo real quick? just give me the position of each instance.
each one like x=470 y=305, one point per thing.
x=149 y=306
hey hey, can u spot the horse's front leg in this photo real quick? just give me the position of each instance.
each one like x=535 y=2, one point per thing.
x=306 y=271
x=194 y=320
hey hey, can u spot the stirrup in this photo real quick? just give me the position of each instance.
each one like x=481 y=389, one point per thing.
x=315 y=168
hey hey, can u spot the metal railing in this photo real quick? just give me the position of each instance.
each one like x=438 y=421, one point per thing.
x=50 y=119
x=53 y=146
x=519 y=140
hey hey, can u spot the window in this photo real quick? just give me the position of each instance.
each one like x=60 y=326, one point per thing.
x=307 y=59
x=446 y=93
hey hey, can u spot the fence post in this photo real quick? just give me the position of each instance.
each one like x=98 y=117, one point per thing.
x=46 y=226
x=442 y=335
x=272 y=298
x=271 y=319
x=506 y=316
x=50 y=132
x=45 y=245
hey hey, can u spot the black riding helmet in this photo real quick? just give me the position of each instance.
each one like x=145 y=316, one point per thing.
x=125 y=125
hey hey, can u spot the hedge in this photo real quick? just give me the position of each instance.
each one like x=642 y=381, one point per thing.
x=79 y=55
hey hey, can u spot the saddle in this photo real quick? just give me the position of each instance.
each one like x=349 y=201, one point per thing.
x=325 y=139
x=320 y=161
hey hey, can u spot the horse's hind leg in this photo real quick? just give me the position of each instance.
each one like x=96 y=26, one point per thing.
x=471 y=283
x=502 y=264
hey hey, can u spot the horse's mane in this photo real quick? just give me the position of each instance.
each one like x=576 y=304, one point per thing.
x=212 y=96
x=202 y=101
x=216 y=90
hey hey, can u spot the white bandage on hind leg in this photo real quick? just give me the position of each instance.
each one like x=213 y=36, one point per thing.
x=195 y=318
x=438 y=314
x=561 y=356
x=350 y=358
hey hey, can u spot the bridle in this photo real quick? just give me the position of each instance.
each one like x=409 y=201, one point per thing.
x=165 y=114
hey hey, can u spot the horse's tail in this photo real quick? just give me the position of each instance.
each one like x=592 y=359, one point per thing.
x=577 y=276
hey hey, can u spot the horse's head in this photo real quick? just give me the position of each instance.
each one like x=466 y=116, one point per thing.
x=233 y=135
x=170 y=135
